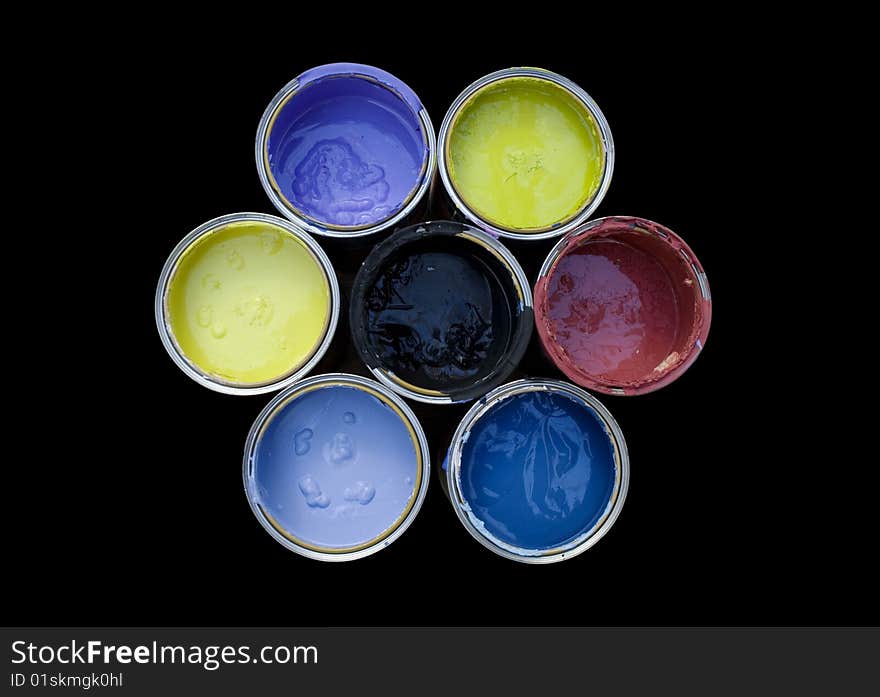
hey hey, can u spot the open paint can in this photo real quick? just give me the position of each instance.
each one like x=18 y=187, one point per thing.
x=537 y=471
x=336 y=467
x=247 y=303
x=524 y=153
x=441 y=312
x=346 y=150
x=622 y=306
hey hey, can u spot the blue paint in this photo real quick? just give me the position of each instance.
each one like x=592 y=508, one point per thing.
x=335 y=467
x=346 y=151
x=538 y=469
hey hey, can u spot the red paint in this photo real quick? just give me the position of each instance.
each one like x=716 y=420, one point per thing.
x=620 y=309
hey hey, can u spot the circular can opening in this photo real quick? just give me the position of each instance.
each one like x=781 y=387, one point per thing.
x=622 y=306
x=336 y=467
x=345 y=149
x=247 y=303
x=537 y=471
x=441 y=312
x=525 y=153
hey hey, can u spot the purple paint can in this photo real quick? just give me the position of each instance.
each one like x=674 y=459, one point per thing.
x=346 y=150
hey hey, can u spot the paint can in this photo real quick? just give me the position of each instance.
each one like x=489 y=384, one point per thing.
x=622 y=306
x=336 y=467
x=441 y=312
x=346 y=150
x=537 y=471
x=523 y=153
x=247 y=303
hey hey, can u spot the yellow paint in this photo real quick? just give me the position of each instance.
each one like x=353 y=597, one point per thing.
x=525 y=154
x=248 y=303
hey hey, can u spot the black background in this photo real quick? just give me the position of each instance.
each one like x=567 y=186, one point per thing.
x=128 y=508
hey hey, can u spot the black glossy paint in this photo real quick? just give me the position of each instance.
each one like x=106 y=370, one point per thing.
x=439 y=311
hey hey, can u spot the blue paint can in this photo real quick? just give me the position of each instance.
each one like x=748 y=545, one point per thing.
x=346 y=150
x=336 y=467
x=537 y=471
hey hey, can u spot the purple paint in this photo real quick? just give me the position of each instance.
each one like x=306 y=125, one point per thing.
x=346 y=147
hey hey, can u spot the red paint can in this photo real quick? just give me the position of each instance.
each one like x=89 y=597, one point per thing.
x=622 y=305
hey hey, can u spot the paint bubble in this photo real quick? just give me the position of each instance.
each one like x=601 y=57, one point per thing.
x=408 y=481
x=340 y=450
x=204 y=315
x=334 y=181
x=218 y=330
x=257 y=311
x=234 y=259
x=301 y=441
x=270 y=241
x=348 y=417
x=309 y=487
x=211 y=282
x=362 y=492
x=312 y=493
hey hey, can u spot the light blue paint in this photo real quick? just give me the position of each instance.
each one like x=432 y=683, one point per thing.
x=336 y=467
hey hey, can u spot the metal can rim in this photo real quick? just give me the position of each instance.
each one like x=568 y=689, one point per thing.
x=582 y=542
x=169 y=267
x=356 y=381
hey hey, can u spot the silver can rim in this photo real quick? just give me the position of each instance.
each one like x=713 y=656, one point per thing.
x=582 y=542
x=576 y=91
x=385 y=377
x=205 y=379
x=313 y=226
x=356 y=381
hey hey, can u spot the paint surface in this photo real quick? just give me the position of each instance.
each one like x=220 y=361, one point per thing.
x=336 y=467
x=613 y=310
x=346 y=152
x=525 y=154
x=438 y=314
x=538 y=470
x=621 y=308
x=248 y=303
